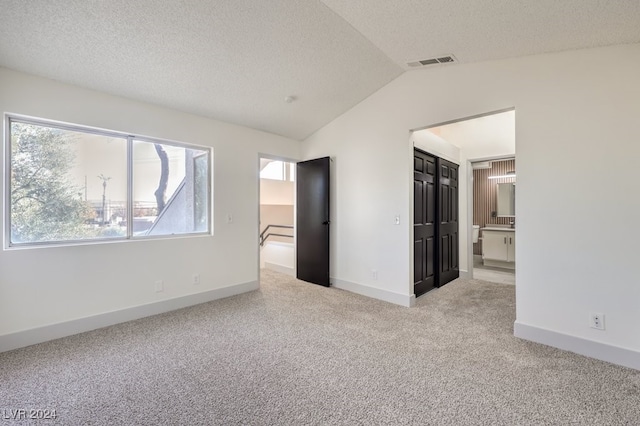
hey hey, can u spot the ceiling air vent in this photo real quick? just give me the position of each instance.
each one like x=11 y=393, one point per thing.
x=428 y=61
x=432 y=61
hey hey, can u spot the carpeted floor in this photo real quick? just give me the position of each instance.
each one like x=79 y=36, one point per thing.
x=295 y=354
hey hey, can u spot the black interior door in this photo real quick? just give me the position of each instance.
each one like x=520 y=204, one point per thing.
x=312 y=221
x=424 y=222
x=447 y=222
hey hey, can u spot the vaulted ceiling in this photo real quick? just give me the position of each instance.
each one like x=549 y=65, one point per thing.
x=238 y=60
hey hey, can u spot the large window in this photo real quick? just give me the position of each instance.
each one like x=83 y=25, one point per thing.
x=66 y=183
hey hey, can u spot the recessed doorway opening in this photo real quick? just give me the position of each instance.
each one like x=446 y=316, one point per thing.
x=494 y=234
x=469 y=142
x=277 y=213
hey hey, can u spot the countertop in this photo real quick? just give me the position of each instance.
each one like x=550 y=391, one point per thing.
x=497 y=228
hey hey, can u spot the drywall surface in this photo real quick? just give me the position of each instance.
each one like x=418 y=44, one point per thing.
x=577 y=204
x=271 y=214
x=279 y=256
x=436 y=145
x=277 y=192
x=44 y=286
x=489 y=136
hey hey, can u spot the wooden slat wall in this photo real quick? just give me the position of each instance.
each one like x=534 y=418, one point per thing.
x=485 y=195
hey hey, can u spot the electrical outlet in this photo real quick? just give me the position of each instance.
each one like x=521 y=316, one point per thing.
x=596 y=320
x=196 y=279
x=374 y=274
x=159 y=285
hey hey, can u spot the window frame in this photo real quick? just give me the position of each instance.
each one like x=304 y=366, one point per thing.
x=9 y=118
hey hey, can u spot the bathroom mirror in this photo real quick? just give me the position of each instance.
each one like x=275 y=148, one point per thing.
x=506 y=199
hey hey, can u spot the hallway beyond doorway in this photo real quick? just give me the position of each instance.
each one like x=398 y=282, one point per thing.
x=277 y=195
x=490 y=274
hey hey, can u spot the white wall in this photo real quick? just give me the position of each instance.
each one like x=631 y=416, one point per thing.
x=276 y=192
x=44 y=286
x=489 y=136
x=577 y=205
x=279 y=256
x=276 y=208
x=436 y=145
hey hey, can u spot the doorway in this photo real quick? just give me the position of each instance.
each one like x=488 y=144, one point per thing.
x=483 y=137
x=294 y=218
x=494 y=236
x=277 y=213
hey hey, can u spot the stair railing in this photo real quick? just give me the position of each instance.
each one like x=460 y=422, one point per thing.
x=264 y=237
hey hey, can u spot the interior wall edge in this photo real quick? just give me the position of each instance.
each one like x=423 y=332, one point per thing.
x=375 y=293
x=590 y=348
x=46 y=333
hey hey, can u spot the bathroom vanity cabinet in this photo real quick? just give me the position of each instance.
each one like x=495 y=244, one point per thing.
x=499 y=247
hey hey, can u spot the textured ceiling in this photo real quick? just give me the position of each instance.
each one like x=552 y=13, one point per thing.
x=237 y=60
x=233 y=60
x=479 y=30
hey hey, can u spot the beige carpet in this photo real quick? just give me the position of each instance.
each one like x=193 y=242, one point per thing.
x=294 y=354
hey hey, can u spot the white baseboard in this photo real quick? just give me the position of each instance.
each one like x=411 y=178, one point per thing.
x=55 y=331
x=589 y=348
x=280 y=268
x=499 y=264
x=375 y=293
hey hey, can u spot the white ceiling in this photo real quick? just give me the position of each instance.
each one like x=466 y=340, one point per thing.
x=480 y=30
x=237 y=60
x=486 y=131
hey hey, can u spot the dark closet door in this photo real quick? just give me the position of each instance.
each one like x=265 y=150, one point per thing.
x=447 y=221
x=312 y=221
x=424 y=222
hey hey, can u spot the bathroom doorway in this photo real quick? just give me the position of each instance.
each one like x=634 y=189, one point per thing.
x=494 y=233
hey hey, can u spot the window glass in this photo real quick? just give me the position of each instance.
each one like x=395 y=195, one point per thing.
x=66 y=184
x=201 y=190
x=292 y=171
x=274 y=170
x=278 y=170
x=169 y=190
